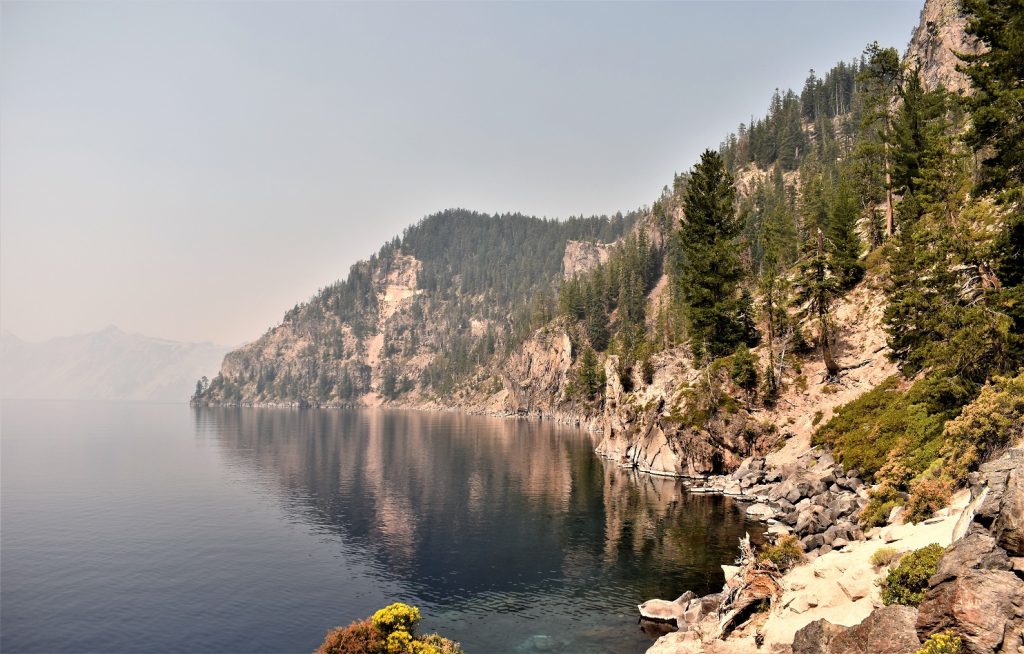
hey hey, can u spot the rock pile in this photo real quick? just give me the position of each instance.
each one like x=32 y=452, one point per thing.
x=977 y=591
x=815 y=500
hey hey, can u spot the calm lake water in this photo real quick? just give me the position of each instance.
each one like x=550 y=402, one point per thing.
x=162 y=528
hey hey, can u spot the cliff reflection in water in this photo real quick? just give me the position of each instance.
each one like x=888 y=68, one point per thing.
x=459 y=507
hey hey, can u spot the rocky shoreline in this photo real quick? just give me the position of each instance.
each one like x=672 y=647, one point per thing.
x=830 y=604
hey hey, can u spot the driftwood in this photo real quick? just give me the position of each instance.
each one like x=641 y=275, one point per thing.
x=755 y=582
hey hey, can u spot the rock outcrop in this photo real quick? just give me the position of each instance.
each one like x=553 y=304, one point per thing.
x=581 y=256
x=939 y=37
x=889 y=630
x=978 y=591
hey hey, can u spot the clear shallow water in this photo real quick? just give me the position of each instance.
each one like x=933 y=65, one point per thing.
x=162 y=528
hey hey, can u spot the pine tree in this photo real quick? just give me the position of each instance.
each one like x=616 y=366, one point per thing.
x=710 y=268
x=997 y=106
x=816 y=291
x=881 y=77
x=591 y=377
x=841 y=231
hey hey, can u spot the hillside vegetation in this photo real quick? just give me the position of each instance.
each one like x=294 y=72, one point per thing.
x=873 y=181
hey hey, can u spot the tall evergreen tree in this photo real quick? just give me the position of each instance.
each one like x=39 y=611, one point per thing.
x=710 y=268
x=997 y=106
x=816 y=290
x=881 y=77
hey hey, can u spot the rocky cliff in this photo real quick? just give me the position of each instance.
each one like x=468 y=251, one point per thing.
x=415 y=324
x=939 y=37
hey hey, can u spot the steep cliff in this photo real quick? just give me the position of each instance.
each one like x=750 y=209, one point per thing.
x=416 y=320
x=938 y=39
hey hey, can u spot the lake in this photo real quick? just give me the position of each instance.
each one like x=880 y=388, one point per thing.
x=164 y=528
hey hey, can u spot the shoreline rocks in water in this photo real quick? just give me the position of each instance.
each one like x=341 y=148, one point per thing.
x=832 y=605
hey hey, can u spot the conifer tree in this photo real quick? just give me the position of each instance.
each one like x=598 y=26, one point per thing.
x=881 y=78
x=591 y=377
x=997 y=106
x=816 y=291
x=710 y=268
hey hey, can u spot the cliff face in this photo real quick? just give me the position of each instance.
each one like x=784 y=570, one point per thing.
x=938 y=38
x=581 y=256
x=339 y=361
x=419 y=322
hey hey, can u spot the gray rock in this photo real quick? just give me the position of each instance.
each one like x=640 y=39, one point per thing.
x=760 y=511
x=811 y=542
x=807 y=523
x=784 y=506
x=816 y=637
x=829 y=535
x=818 y=486
x=793 y=494
x=1008 y=527
x=977 y=550
x=711 y=603
x=847 y=505
x=984 y=607
x=887 y=630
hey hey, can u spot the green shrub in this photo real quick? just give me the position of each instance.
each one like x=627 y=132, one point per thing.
x=883 y=556
x=785 y=553
x=744 y=368
x=881 y=501
x=867 y=432
x=928 y=496
x=945 y=642
x=907 y=582
x=987 y=424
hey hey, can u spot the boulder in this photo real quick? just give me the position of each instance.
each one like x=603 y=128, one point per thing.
x=1008 y=527
x=665 y=611
x=811 y=542
x=816 y=637
x=711 y=603
x=760 y=511
x=984 y=607
x=887 y=630
x=995 y=475
x=825 y=462
x=976 y=550
x=843 y=505
x=661 y=611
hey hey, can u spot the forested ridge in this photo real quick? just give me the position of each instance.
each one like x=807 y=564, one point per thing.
x=495 y=270
x=869 y=175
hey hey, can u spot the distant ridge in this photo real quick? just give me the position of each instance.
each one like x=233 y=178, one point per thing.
x=108 y=364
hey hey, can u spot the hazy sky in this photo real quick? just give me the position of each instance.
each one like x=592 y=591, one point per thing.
x=191 y=170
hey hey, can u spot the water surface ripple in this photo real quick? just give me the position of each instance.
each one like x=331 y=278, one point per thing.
x=162 y=528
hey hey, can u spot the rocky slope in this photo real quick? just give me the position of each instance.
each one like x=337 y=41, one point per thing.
x=831 y=604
